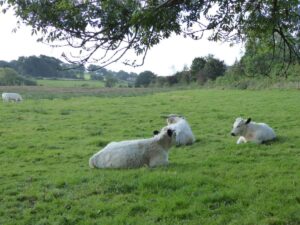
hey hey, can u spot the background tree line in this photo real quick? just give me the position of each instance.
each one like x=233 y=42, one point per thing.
x=259 y=61
x=43 y=67
x=201 y=70
x=16 y=72
x=40 y=67
x=261 y=65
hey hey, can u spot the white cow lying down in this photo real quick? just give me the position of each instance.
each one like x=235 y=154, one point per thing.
x=11 y=97
x=251 y=131
x=135 y=153
x=184 y=134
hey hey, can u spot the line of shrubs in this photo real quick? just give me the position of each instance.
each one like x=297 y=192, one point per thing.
x=9 y=77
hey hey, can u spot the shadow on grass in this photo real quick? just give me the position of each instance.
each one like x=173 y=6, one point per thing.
x=277 y=140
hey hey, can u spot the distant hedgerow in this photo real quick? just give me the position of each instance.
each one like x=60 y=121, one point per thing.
x=9 y=77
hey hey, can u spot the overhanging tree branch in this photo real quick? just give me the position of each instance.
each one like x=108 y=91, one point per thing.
x=114 y=27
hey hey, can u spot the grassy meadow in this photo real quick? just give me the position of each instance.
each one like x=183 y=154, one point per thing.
x=45 y=145
x=70 y=83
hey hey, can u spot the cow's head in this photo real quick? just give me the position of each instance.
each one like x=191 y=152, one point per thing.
x=239 y=126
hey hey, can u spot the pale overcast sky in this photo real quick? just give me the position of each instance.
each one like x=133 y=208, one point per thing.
x=166 y=58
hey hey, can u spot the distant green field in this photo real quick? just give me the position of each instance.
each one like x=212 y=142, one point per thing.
x=46 y=144
x=70 y=83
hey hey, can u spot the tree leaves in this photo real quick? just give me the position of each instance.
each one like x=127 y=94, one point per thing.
x=112 y=27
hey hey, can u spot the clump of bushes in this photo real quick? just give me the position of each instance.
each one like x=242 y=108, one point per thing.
x=9 y=77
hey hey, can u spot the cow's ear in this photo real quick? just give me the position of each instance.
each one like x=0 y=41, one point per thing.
x=248 y=121
x=170 y=132
x=156 y=132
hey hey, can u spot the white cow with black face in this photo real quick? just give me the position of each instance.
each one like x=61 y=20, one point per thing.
x=252 y=131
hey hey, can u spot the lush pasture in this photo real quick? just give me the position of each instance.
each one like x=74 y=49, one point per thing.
x=46 y=143
x=49 y=92
x=70 y=83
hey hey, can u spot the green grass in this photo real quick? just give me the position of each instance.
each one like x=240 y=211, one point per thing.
x=71 y=83
x=46 y=144
x=46 y=92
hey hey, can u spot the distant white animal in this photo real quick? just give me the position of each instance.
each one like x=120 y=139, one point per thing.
x=184 y=134
x=6 y=97
x=251 y=131
x=135 y=153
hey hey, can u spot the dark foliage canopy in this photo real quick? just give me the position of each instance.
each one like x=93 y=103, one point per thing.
x=145 y=79
x=43 y=67
x=115 y=27
x=9 y=76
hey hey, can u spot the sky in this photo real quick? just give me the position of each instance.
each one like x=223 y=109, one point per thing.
x=166 y=58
